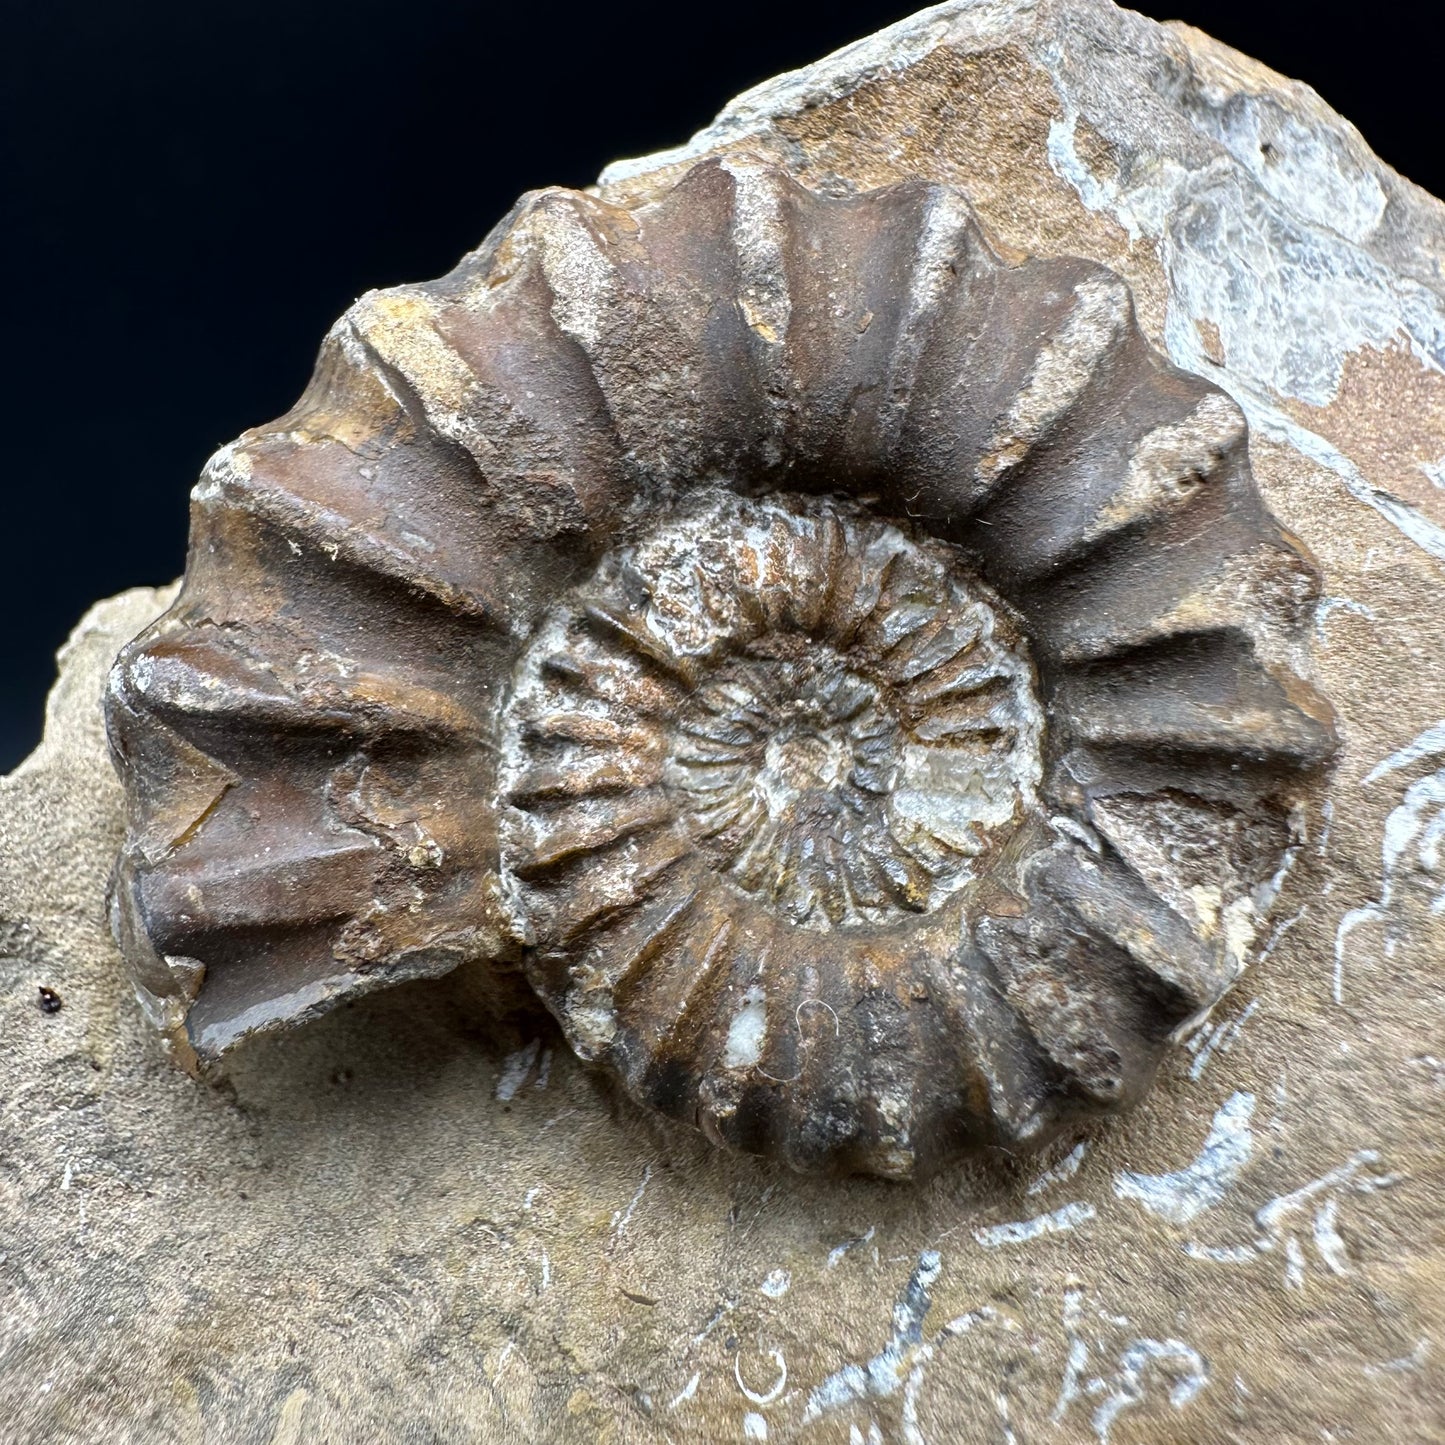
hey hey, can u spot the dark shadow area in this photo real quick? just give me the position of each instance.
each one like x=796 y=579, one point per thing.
x=196 y=192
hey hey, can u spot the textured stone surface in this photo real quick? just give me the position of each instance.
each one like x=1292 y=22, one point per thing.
x=396 y=1225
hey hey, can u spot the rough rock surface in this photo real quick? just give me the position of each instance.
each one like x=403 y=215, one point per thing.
x=401 y=1224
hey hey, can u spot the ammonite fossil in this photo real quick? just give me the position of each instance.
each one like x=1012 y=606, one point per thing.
x=854 y=675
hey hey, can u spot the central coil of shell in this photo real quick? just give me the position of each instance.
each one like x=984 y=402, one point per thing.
x=830 y=713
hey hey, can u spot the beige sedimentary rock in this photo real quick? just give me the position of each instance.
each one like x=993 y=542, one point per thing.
x=401 y=1223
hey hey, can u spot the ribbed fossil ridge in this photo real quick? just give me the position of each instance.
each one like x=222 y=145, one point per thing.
x=424 y=568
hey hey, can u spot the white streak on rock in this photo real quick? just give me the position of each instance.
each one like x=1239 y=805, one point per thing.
x=1058 y=1221
x=687 y=1391
x=1073 y=1373
x=1280 y=1222
x=835 y=1255
x=1222 y=1253
x=1414 y=525
x=623 y=1217
x=912 y=1435
x=1000 y=1403
x=1294 y=1269
x=1329 y=605
x=717 y=1317
x=1078 y=1356
x=778 y=1385
x=1272 y=1216
x=1413 y=846
x=1276 y=1219
x=515 y=1069
x=1418 y=824
x=886 y=1372
x=1220 y=1039
x=1173 y=1357
x=1429 y=744
x=1178 y=1197
x=1065 y=1169
x=1279 y=931
x=1327 y=1239
x=1351 y=921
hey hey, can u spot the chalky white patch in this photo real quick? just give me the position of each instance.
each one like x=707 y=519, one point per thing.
x=1058 y=1221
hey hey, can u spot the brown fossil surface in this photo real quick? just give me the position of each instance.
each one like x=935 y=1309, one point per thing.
x=405 y=1220
x=823 y=835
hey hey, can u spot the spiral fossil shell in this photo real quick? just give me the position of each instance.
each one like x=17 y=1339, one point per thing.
x=855 y=675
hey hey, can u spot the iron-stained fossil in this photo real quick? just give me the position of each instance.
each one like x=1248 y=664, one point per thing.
x=856 y=675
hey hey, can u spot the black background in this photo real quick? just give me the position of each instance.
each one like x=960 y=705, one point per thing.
x=195 y=189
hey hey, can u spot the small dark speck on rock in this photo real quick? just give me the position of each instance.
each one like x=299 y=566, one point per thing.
x=49 y=1000
x=731 y=1343
x=341 y=1077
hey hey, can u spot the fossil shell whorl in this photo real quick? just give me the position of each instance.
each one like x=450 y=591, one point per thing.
x=861 y=671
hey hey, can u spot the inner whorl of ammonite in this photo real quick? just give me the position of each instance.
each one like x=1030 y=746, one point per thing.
x=832 y=715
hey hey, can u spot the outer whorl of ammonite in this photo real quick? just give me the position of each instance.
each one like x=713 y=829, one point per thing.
x=856 y=677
